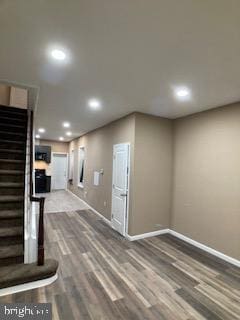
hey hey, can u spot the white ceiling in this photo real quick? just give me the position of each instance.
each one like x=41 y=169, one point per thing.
x=128 y=53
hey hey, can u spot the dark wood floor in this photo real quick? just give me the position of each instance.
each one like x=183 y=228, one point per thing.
x=103 y=276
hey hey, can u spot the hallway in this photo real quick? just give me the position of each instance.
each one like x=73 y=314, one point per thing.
x=62 y=201
x=104 y=276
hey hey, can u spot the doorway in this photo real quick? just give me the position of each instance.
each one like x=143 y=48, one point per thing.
x=59 y=171
x=120 y=187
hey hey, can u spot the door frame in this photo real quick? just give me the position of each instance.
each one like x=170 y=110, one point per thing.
x=80 y=185
x=126 y=217
x=71 y=153
x=67 y=156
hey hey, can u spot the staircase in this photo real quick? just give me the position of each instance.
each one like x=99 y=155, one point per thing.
x=13 y=135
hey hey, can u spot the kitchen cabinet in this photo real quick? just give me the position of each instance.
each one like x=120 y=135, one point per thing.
x=43 y=153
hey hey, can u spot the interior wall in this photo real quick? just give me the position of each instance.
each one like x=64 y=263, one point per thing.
x=99 y=155
x=13 y=96
x=18 y=97
x=152 y=174
x=206 y=194
x=4 y=94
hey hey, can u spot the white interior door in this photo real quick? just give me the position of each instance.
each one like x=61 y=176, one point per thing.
x=120 y=186
x=59 y=171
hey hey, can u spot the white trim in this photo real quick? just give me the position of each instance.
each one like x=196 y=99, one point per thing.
x=71 y=164
x=28 y=286
x=81 y=184
x=52 y=155
x=188 y=240
x=91 y=208
x=147 y=235
x=128 y=197
x=206 y=248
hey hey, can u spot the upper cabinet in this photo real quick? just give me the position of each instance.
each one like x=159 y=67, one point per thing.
x=43 y=153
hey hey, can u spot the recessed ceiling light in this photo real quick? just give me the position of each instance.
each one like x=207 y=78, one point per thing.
x=61 y=138
x=37 y=136
x=66 y=124
x=182 y=93
x=94 y=104
x=69 y=133
x=58 y=54
x=41 y=130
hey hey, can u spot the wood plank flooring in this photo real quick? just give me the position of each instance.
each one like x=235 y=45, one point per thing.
x=104 y=276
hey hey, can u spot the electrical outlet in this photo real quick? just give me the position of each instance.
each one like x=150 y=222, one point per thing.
x=105 y=203
x=85 y=194
x=158 y=225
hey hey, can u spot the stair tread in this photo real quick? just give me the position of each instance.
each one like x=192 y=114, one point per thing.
x=12 y=125
x=13 y=108
x=12 y=150
x=11 y=172
x=13 y=133
x=14 y=250
x=15 y=274
x=11 y=214
x=5 y=117
x=11 y=198
x=11 y=231
x=11 y=184
x=13 y=114
x=12 y=160
x=11 y=141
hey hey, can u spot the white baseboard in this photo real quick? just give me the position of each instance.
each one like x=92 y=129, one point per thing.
x=91 y=208
x=206 y=248
x=188 y=240
x=147 y=235
x=28 y=286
